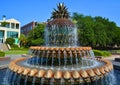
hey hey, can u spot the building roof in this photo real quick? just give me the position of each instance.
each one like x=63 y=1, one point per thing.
x=12 y=20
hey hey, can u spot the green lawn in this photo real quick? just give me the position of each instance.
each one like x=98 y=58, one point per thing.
x=118 y=51
x=17 y=52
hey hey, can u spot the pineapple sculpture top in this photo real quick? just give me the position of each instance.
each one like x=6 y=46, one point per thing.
x=60 y=31
x=61 y=12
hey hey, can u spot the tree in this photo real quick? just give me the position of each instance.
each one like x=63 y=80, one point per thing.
x=108 y=27
x=23 y=40
x=100 y=35
x=10 y=41
x=96 y=31
x=3 y=24
x=85 y=29
x=36 y=36
x=38 y=41
x=117 y=36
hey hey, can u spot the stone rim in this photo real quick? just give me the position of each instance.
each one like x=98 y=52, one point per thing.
x=68 y=74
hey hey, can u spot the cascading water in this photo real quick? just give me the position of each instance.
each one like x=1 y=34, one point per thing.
x=61 y=35
x=61 y=61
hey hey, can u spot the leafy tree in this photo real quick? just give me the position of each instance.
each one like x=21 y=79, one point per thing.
x=3 y=24
x=117 y=36
x=36 y=36
x=100 y=35
x=10 y=41
x=37 y=41
x=85 y=31
x=96 y=31
x=23 y=40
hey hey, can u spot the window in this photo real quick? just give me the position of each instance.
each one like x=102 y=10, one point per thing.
x=12 y=25
x=12 y=34
x=1 y=34
x=8 y=25
x=17 y=26
x=30 y=28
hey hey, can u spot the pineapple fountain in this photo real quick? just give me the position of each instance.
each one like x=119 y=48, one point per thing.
x=61 y=61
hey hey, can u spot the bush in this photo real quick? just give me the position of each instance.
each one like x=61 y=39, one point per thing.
x=101 y=53
x=14 y=46
x=36 y=42
x=10 y=41
x=98 y=53
x=106 y=53
x=2 y=54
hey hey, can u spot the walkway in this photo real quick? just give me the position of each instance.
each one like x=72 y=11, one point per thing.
x=112 y=57
x=5 y=63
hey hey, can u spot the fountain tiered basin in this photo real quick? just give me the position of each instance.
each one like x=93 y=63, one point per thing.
x=61 y=72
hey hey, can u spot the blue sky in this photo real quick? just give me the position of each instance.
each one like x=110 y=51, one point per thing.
x=40 y=10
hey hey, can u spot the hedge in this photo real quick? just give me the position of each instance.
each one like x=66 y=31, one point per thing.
x=2 y=54
x=101 y=53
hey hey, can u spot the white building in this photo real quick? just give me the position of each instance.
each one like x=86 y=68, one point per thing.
x=9 y=29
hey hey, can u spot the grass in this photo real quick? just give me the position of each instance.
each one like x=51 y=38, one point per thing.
x=17 y=52
x=19 y=49
x=2 y=54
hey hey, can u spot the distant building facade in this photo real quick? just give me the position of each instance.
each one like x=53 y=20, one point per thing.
x=9 y=28
x=28 y=27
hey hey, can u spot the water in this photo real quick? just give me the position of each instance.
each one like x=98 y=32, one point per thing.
x=62 y=59
x=25 y=80
x=59 y=58
x=76 y=60
x=53 y=55
x=64 y=65
x=33 y=81
x=42 y=81
x=18 y=80
x=113 y=79
x=43 y=54
x=63 y=36
x=65 y=59
x=47 y=59
x=71 y=59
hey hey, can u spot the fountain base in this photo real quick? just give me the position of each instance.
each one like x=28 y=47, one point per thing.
x=60 y=76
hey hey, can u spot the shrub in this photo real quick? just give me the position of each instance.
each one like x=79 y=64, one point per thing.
x=106 y=53
x=2 y=54
x=101 y=53
x=10 y=41
x=14 y=46
x=37 y=42
x=98 y=53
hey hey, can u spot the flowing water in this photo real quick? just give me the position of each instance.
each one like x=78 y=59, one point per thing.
x=61 y=36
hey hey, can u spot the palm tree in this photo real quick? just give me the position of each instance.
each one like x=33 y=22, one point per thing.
x=60 y=12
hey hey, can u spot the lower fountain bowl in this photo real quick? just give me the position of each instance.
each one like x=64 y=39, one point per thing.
x=60 y=76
